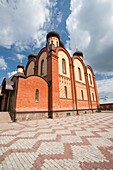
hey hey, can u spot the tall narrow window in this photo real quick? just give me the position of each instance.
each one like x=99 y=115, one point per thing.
x=93 y=99
x=56 y=43
x=42 y=67
x=65 y=91
x=37 y=95
x=63 y=66
x=79 y=73
x=90 y=79
x=82 y=94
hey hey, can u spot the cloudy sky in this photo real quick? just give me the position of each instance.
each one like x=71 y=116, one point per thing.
x=87 y=25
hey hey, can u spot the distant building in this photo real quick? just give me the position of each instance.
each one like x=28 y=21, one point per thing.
x=106 y=103
x=53 y=84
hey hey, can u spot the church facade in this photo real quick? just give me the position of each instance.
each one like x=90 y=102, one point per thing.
x=53 y=84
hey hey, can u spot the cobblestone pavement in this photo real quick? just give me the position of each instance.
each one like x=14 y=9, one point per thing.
x=72 y=143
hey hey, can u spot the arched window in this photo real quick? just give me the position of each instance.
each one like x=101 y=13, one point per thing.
x=79 y=73
x=37 y=95
x=42 y=67
x=90 y=79
x=65 y=92
x=93 y=99
x=82 y=94
x=63 y=66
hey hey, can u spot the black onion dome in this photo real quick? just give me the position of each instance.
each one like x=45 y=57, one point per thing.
x=61 y=44
x=78 y=53
x=20 y=66
x=32 y=56
x=53 y=34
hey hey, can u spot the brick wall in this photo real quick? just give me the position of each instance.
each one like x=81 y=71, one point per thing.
x=82 y=104
x=94 y=105
x=64 y=81
x=26 y=94
x=79 y=87
x=66 y=104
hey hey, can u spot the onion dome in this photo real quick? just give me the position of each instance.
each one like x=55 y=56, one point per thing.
x=78 y=53
x=61 y=44
x=52 y=34
x=31 y=56
x=20 y=66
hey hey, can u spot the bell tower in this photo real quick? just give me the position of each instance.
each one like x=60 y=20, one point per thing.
x=53 y=41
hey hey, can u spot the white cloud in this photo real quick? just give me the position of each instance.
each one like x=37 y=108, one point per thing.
x=104 y=74
x=20 y=57
x=22 y=21
x=11 y=73
x=90 y=27
x=105 y=87
x=3 y=64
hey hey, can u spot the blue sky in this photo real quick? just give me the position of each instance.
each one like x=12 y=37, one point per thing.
x=85 y=24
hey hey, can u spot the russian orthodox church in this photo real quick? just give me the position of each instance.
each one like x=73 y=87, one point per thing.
x=53 y=84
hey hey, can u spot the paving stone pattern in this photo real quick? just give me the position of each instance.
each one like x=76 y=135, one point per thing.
x=82 y=142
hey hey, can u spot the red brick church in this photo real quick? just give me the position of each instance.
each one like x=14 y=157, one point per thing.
x=53 y=84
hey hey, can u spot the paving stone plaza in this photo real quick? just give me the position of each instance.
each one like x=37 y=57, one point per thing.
x=73 y=143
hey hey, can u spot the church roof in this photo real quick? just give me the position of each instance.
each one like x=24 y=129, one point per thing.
x=20 y=66
x=53 y=34
x=18 y=75
x=78 y=53
x=7 y=84
x=32 y=56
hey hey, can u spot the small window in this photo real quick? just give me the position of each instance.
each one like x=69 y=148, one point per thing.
x=82 y=95
x=63 y=66
x=42 y=67
x=65 y=92
x=79 y=73
x=90 y=79
x=57 y=43
x=93 y=97
x=37 y=95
